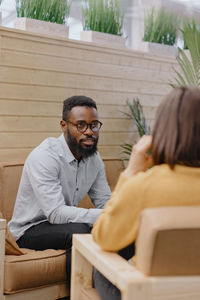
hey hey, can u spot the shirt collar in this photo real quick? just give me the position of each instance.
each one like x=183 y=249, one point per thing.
x=66 y=151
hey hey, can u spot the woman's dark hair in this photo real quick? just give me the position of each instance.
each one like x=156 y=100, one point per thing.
x=73 y=101
x=176 y=134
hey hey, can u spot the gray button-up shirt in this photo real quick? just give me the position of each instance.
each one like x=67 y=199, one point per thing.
x=53 y=183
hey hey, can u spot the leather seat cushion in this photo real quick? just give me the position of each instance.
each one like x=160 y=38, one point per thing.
x=34 y=269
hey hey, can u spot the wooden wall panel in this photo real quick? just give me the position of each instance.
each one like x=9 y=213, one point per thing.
x=47 y=78
x=52 y=94
x=66 y=65
x=38 y=72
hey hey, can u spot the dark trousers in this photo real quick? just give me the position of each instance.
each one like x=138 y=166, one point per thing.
x=104 y=287
x=53 y=236
x=59 y=236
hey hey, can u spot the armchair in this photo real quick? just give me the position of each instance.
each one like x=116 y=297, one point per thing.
x=167 y=265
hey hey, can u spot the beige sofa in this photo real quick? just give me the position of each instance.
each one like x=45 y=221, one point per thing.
x=166 y=265
x=28 y=274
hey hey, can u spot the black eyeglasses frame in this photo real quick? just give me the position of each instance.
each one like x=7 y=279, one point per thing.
x=87 y=125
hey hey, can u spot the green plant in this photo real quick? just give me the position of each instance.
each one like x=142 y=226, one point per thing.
x=191 y=21
x=103 y=16
x=137 y=115
x=54 y=11
x=160 y=27
x=190 y=66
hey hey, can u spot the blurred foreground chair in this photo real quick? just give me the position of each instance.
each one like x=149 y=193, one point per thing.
x=28 y=274
x=167 y=261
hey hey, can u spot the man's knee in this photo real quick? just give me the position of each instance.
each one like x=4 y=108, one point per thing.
x=74 y=228
x=80 y=228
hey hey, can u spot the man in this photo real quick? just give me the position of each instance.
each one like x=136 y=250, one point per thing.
x=56 y=176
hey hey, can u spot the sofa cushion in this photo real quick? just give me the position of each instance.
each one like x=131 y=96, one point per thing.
x=10 y=174
x=34 y=269
x=113 y=167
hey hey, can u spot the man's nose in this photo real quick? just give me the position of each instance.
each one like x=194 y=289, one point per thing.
x=88 y=131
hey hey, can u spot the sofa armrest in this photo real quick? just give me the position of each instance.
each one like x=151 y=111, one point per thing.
x=87 y=254
x=2 y=225
x=2 y=254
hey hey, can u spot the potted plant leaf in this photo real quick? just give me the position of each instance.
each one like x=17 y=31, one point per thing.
x=160 y=32
x=43 y=16
x=103 y=22
x=189 y=63
x=137 y=115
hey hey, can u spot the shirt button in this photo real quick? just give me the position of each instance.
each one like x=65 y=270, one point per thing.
x=77 y=188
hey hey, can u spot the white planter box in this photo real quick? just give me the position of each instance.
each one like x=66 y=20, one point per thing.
x=160 y=49
x=104 y=39
x=32 y=25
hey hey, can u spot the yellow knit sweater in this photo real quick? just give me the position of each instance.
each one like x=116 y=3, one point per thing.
x=117 y=225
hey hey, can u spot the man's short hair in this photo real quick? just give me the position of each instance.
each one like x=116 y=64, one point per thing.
x=73 y=101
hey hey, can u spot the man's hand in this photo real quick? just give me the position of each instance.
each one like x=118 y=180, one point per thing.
x=139 y=159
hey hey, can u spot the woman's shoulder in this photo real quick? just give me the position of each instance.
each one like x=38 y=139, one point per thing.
x=155 y=171
x=163 y=172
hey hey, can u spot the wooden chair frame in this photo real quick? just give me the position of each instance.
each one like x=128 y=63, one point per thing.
x=133 y=284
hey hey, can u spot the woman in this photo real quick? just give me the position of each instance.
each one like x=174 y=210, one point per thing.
x=173 y=180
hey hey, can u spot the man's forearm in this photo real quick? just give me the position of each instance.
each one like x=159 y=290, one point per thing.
x=70 y=214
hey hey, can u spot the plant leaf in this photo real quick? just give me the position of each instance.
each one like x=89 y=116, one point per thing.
x=190 y=67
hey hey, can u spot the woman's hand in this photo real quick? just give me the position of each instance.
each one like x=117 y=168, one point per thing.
x=139 y=159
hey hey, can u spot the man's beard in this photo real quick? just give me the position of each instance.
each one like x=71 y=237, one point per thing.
x=83 y=152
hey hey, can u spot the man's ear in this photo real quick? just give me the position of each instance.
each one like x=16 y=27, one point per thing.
x=63 y=125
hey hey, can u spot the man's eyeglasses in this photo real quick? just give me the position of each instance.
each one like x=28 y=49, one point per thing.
x=82 y=126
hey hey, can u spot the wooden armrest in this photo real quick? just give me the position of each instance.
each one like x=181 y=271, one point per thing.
x=111 y=265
